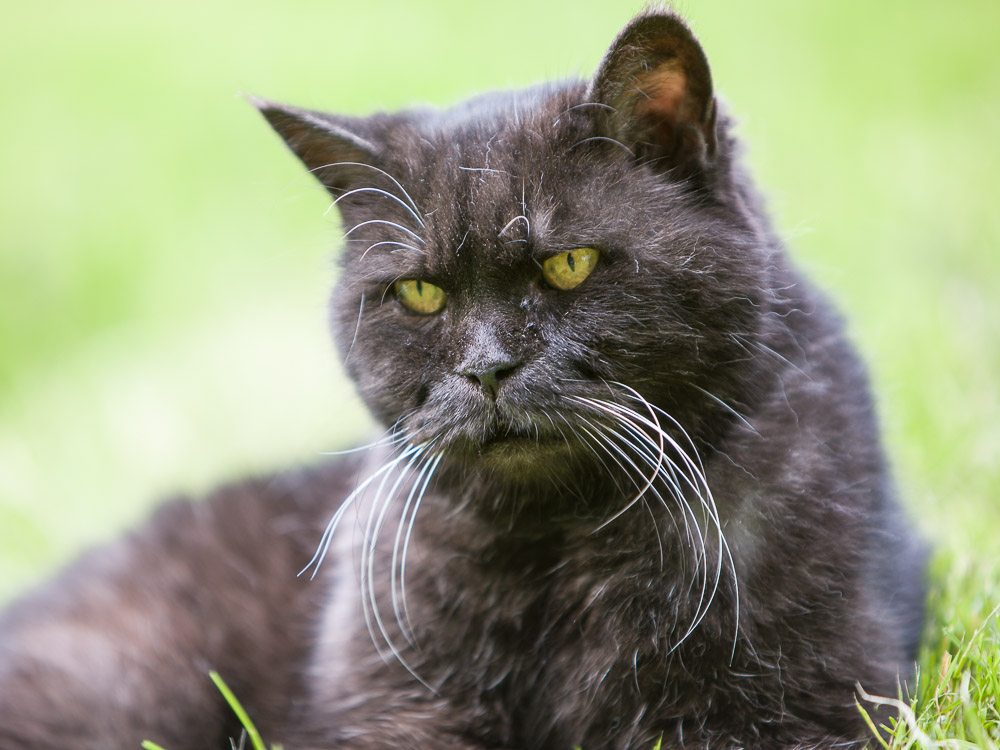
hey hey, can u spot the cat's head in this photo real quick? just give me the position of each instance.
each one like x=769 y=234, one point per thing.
x=517 y=264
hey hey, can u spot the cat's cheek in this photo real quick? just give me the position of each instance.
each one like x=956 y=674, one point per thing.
x=392 y=357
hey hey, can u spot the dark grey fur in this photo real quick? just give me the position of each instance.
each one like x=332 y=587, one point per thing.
x=532 y=619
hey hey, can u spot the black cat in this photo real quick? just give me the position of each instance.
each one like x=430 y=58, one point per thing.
x=632 y=485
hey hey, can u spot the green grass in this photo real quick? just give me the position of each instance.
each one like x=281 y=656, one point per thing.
x=955 y=704
x=163 y=262
x=256 y=742
x=249 y=729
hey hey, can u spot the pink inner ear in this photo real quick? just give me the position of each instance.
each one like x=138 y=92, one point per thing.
x=665 y=93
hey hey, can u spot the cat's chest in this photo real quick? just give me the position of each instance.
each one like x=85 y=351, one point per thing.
x=543 y=656
x=536 y=614
x=533 y=630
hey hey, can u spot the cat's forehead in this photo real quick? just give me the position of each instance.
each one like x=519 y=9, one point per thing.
x=491 y=175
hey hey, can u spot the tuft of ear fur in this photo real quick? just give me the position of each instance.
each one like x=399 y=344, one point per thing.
x=656 y=80
x=336 y=150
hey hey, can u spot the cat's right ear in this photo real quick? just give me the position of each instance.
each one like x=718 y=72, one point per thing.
x=337 y=151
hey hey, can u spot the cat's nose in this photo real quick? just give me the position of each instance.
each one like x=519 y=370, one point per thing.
x=489 y=374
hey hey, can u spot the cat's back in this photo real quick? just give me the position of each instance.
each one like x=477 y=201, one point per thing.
x=214 y=579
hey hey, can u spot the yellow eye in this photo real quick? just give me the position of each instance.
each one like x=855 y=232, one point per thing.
x=568 y=270
x=420 y=296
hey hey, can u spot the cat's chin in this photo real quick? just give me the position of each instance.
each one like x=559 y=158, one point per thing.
x=523 y=456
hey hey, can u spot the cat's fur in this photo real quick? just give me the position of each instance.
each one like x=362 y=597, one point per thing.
x=654 y=504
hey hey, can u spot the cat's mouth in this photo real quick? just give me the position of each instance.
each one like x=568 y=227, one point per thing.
x=518 y=443
x=515 y=439
x=491 y=432
x=497 y=428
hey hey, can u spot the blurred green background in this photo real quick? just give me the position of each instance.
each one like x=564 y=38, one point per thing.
x=164 y=262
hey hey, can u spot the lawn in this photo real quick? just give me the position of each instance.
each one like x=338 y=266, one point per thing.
x=163 y=262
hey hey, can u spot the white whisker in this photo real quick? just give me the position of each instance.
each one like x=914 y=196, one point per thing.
x=637 y=497
x=376 y=519
x=406 y=541
x=580 y=106
x=698 y=484
x=387 y=194
x=357 y=327
x=400 y=227
x=484 y=169
x=424 y=474
x=392 y=438
x=648 y=438
x=513 y=221
x=641 y=495
x=697 y=543
x=331 y=527
x=373 y=168
x=727 y=407
x=666 y=469
x=605 y=138
x=390 y=242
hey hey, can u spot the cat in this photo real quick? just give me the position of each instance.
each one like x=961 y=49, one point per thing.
x=631 y=489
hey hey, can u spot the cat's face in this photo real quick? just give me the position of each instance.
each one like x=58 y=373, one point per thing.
x=512 y=262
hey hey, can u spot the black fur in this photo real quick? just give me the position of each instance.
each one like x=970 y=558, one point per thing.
x=558 y=592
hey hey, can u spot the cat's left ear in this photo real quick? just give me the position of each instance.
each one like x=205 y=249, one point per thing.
x=337 y=151
x=656 y=82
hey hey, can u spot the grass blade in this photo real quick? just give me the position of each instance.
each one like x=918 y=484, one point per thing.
x=241 y=714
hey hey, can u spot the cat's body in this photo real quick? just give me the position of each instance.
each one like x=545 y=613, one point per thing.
x=649 y=500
